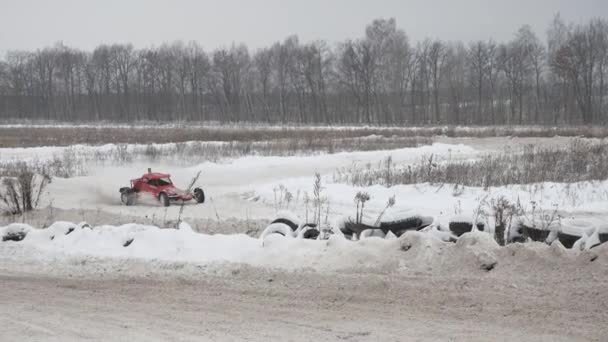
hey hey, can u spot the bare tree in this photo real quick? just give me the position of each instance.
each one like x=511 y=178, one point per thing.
x=377 y=78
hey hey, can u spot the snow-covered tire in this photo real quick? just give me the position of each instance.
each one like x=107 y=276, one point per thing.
x=277 y=228
x=14 y=236
x=571 y=230
x=372 y=233
x=199 y=195
x=352 y=228
x=15 y=232
x=164 y=200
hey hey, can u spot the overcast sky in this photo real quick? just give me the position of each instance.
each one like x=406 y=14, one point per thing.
x=27 y=24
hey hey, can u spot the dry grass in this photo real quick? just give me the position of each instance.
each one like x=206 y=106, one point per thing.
x=578 y=161
x=74 y=161
x=29 y=136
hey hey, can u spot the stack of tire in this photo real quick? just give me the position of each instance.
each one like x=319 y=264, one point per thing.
x=290 y=226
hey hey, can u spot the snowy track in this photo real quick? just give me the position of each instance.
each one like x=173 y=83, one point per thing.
x=257 y=305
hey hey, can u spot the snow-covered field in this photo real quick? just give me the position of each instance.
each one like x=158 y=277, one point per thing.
x=473 y=279
x=248 y=187
x=254 y=188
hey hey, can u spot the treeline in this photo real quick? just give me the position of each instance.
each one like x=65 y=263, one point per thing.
x=381 y=78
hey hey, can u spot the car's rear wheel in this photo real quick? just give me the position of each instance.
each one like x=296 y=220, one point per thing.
x=164 y=199
x=199 y=195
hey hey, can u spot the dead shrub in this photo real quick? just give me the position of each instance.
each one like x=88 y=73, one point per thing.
x=21 y=192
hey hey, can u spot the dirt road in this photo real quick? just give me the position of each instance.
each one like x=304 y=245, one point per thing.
x=248 y=304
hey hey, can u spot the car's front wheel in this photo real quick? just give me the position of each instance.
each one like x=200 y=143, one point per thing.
x=164 y=199
x=199 y=195
x=127 y=197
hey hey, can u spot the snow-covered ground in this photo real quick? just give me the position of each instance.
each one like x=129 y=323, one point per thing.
x=250 y=187
x=254 y=187
x=169 y=284
x=242 y=187
x=232 y=286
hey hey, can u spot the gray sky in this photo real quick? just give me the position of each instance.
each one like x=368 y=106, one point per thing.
x=28 y=24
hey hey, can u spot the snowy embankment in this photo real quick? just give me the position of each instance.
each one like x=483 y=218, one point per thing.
x=71 y=245
x=133 y=241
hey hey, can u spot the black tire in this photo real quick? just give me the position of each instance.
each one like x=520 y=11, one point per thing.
x=285 y=221
x=199 y=195
x=408 y=223
x=311 y=234
x=164 y=199
x=567 y=240
x=401 y=226
x=127 y=197
x=536 y=234
x=310 y=231
x=459 y=228
x=351 y=228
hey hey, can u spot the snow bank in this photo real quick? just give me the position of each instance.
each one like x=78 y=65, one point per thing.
x=74 y=245
x=64 y=240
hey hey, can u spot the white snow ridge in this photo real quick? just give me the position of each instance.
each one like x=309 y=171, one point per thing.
x=65 y=242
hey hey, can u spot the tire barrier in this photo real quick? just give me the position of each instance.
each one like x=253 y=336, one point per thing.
x=584 y=234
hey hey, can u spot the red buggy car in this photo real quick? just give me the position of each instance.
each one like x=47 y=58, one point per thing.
x=160 y=186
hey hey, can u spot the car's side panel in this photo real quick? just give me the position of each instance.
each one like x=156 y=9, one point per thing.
x=142 y=184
